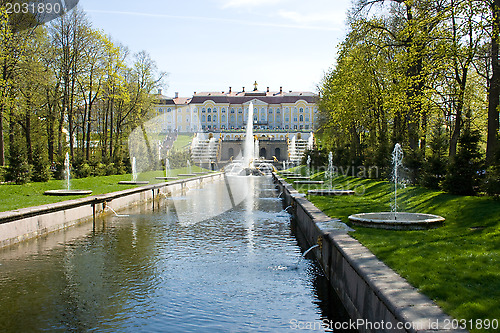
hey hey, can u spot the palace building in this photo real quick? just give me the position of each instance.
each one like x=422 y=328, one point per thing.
x=225 y=111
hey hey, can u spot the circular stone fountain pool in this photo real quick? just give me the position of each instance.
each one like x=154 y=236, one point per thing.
x=397 y=221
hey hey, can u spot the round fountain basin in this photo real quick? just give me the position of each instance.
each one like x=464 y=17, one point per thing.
x=67 y=192
x=397 y=221
x=132 y=182
x=325 y=192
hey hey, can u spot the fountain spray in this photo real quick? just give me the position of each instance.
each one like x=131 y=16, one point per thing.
x=397 y=162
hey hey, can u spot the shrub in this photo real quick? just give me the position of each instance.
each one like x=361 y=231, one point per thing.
x=19 y=170
x=464 y=170
x=41 y=167
x=3 y=173
x=83 y=170
x=434 y=169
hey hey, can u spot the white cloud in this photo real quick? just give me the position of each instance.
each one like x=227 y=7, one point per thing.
x=221 y=20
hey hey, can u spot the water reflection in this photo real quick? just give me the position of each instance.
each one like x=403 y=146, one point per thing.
x=163 y=272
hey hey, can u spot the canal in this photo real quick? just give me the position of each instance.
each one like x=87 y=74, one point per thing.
x=219 y=259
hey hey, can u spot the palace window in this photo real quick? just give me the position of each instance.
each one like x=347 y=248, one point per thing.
x=295 y=119
x=209 y=110
x=203 y=110
x=214 y=118
x=223 y=118
x=301 y=110
x=301 y=118
x=209 y=118
x=232 y=110
x=278 y=110
x=215 y=109
x=223 y=110
x=169 y=110
x=307 y=119
x=240 y=110
x=287 y=119
x=286 y=109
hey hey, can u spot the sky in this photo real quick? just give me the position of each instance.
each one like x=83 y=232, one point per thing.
x=211 y=45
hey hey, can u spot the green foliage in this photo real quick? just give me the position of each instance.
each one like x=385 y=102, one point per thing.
x=82 y=170
x=491 y=183
x=463 y=172
x=435 y=166
x=401 y=71
x=3 y=173
x=19 y=170
x=41 y=167
x=319 y=158
x=179 y=158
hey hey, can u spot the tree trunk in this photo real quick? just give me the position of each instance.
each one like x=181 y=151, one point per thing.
x=27 y=133
x=494 y=87
x=2 y=144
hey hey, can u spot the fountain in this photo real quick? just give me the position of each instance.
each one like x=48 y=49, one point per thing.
x=308 y=165
x=246 y=166
x=189 y=171
x=256 y=149
x=293 y=150
x=134 y=180
x=397 y=220
x=249 y=146
x=330 y=173
x=310 y=142
x=67 y=177
x=167 y=170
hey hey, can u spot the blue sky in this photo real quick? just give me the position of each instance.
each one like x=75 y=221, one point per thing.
x=209 y=45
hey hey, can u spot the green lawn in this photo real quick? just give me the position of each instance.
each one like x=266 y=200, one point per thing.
x=457 y=265
x=182 y=141
x=28 y=195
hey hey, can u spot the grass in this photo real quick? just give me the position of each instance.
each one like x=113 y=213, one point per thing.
x=182 y=141
x=21 y=196
x=457 y=265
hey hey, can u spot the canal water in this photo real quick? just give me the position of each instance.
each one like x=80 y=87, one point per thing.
x=218 y=259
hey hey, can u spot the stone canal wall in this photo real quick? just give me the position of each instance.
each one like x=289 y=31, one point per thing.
x=25 y=223
x=374 y=295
